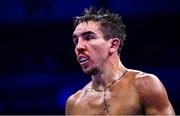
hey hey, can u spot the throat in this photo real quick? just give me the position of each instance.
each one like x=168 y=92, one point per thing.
x=100 y=84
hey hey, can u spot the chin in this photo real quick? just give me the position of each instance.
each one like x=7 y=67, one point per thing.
x=91 y=71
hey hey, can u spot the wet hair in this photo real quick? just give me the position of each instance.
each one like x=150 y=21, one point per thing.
x=111 y=24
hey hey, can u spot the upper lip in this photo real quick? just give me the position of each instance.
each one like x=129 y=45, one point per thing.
x=82 y=58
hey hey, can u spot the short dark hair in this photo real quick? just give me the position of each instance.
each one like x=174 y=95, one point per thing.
x=112 y=25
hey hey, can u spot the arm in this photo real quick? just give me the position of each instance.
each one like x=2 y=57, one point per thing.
x=153 y=95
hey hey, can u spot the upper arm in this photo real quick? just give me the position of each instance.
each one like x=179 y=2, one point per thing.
x=153 y=95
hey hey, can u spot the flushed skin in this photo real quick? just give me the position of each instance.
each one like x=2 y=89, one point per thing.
x=134 y=93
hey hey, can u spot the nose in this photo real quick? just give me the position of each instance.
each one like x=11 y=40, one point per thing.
x=80 y=47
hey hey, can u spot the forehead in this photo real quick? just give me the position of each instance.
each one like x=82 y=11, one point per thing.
x=87 y=26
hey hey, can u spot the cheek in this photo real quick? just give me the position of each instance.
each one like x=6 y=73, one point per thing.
x=100 y=50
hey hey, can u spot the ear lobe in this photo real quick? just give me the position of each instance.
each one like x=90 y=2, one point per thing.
x=115 y=43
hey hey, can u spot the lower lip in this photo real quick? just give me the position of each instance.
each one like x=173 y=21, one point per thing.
x=85 y=63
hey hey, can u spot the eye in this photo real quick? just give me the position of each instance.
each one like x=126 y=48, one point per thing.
x=75 y=40
x=89 y=37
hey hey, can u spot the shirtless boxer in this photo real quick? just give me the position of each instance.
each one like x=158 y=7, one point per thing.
x=114 y=89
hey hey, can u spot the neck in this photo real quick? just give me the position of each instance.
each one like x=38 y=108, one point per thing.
x=109 y=73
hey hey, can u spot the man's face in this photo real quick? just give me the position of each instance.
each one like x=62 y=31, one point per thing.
x=91 y=48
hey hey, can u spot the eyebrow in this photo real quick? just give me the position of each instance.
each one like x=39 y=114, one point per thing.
x=84 y=33
x=87 y=33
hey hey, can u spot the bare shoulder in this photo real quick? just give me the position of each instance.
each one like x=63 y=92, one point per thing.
x=71 y=101
x=145 y=81
x=148 y=82
x=152 y=94
x=76 y=95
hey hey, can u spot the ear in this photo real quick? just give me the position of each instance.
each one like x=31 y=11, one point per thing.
x=115 y=44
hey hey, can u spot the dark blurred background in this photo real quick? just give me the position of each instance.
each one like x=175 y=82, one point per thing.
x=38 y=68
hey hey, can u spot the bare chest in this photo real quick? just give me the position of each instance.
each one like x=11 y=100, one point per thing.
x=124 y=101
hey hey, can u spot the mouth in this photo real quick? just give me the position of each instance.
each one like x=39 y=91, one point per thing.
x=83 y=59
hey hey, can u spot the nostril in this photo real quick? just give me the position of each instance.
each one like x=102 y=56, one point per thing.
x=81 y=48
